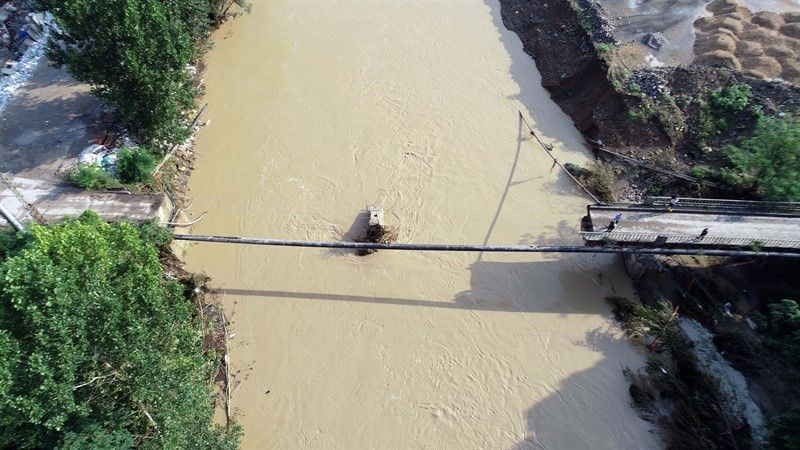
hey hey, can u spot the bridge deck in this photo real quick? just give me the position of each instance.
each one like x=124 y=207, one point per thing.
x=647 y=224
x=55 y=202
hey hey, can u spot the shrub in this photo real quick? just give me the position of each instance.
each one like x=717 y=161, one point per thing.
x=605 y=50
x=134 y=165
x=155 y=234
x=598 y=178
x=731 y=99
x=91 y=177
x=643 y=112
x=768 y=163
x=97 y=349
x=696 y=402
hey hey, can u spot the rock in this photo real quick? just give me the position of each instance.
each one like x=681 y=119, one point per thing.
x=654 y=41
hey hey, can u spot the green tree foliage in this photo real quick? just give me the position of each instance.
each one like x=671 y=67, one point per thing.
x=97 y=350
x=730 y=99
x=719 y=109
x=91 y=177
x=134 y=53
x=784 y=431
x=781 y=325
x=768 y=163
x=135 y=164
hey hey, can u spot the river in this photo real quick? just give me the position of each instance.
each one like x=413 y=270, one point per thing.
x=321 y=108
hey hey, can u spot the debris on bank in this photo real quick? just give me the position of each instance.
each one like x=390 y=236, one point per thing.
x=23 y=39
x=676 y=389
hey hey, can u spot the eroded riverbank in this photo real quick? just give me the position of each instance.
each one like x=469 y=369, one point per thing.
x=321 y=108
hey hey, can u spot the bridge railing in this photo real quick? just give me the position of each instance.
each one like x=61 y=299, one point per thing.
x=648 y=238
x=739 y=205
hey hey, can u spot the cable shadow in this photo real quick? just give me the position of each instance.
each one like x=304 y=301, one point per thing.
x=509 y=183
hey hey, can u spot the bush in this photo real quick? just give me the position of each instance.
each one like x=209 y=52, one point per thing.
x=731 y=99
x=91 y=177
x=155 y=234
x=97 y=349
x=598 y=178
x=134 y=165
x=605 y=50
x=768 y=163
x=696 y=402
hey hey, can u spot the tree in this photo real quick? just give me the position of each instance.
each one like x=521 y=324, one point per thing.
x=134 y=54
x=768 y=163
x=97 y=350
x=782 y=327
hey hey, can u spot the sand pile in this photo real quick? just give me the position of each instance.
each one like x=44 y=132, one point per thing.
x=764 y=44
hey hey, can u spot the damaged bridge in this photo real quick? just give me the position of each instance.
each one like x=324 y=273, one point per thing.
x=728 y=224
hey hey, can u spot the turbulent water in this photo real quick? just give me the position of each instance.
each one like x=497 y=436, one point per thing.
x=321 y=108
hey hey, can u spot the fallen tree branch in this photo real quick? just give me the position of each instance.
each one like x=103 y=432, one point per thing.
x=112 y=374
x=637 y=163
x=188 y=224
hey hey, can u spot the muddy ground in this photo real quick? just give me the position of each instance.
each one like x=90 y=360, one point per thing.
x=48 y=122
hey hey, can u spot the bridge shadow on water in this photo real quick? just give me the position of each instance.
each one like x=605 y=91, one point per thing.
x=535 y=286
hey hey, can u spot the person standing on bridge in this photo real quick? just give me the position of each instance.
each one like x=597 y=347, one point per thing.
x=702 y=234
x=611 y=226
x=617 y=218
x=673 y=202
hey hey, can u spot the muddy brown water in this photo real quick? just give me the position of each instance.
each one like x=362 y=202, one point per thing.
x=320 y=108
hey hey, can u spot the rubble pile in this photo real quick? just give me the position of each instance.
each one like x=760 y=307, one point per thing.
x=20 y=29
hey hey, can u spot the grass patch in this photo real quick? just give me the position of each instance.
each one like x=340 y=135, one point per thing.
x=598 y=177
x=91 y=177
